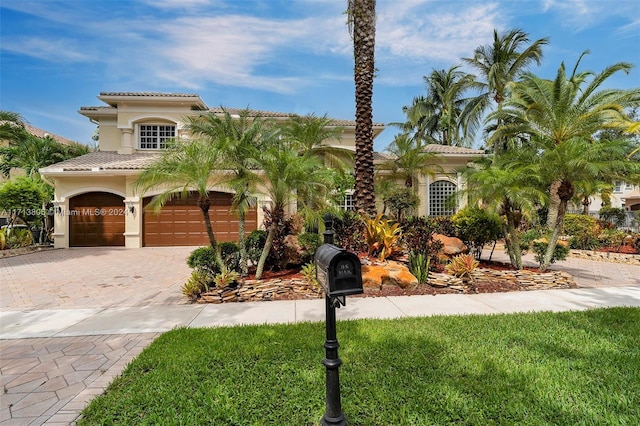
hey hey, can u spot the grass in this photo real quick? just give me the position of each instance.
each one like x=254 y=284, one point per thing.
x=526 y=369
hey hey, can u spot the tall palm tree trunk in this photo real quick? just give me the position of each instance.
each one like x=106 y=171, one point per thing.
x=362 y=17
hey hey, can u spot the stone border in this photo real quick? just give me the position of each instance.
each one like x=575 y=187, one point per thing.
x=600 y=256
x=529 y=279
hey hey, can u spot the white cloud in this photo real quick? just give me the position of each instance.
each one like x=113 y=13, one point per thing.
x=52 y=50
x=580 y=15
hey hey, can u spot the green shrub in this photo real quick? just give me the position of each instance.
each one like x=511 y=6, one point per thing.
x=615 y=215
x=309 y=243
x=419 y=264
x=539 y=248
x=203 y=259
x=477 y=227
x=254 y=244
x=443 y=225
x=401 y=201
x=583 y=230
x=230 y=254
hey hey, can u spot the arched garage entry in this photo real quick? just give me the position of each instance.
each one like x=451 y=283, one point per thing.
x=180 y=222
x=96 y=219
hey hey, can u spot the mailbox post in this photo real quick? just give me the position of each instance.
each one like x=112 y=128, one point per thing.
x=340 y=274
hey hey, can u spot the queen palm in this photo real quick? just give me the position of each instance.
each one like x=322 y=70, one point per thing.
x=501 y=62
x=409 y=161
x=362 y=23
x=185 y=166
x=446 y=114
x=238 y=142
x=312 y=136
x=288 y=174
x=562 y=118
x=508 y=187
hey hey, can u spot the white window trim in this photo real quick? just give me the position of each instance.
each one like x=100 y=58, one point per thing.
x=138 y=134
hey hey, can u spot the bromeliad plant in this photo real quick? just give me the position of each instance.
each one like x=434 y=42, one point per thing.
x=462 y=266
x=383 y=237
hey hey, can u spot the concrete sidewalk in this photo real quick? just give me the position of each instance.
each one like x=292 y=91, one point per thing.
x=159 y=318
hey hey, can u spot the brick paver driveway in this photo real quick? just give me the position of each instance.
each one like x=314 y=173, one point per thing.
x=49 y=380
x=90 y=277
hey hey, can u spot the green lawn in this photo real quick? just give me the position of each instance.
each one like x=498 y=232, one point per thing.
x=535 y=369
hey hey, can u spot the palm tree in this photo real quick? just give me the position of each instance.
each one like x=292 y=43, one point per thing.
x=446 y=115
x=508 y=187
x=562 y=118
x=409 y=161
x=502 y=62
x=362 y=23
x=11 y=126
x=238 y=141
x=312 y=136
x=287 y=174
x=182 y=167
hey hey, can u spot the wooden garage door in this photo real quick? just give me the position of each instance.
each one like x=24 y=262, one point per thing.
x=180 y=222
x=96 y=219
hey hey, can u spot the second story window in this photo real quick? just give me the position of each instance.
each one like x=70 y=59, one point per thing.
x=155 y=136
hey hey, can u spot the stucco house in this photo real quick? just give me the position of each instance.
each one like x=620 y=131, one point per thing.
x=96 y=204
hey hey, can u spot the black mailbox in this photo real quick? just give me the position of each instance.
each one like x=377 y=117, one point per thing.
x=338 y=271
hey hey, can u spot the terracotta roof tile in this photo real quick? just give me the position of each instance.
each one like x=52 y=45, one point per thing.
x=41 y=133
x=445 y=149
x=151 y=94
x=104 y=160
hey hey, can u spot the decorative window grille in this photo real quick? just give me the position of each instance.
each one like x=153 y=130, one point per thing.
x=349 y=202
x=442 y=198
x=155 y=136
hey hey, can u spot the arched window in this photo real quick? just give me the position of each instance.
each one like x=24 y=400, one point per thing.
x=441 y=198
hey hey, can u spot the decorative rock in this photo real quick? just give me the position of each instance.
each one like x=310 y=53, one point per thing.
x=391 y=273
x=451 y=246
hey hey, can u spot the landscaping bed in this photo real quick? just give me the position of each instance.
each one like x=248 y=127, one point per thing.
x=490 y=277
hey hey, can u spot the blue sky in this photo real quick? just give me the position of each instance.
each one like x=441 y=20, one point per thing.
x=277 y=55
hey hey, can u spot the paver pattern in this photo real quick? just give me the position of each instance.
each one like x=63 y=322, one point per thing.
x=49 y=381
x=94 y=277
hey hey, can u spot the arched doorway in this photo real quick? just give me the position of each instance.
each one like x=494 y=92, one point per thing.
x=96 y=219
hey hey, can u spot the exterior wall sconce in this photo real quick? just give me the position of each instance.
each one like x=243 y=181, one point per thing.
x=130 y=207
x=57 y=208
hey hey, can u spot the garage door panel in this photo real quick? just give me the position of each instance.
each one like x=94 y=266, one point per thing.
x=180 y=222
x=96 y=219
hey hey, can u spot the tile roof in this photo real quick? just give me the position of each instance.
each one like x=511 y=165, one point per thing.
x=40 y=133
x=104 y=160
x=152 y=94
x=445 y=149
x=273 y=114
